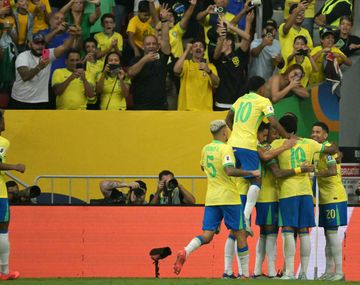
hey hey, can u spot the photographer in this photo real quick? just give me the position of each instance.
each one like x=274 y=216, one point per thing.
x=135 y=195
x=21 y=197
x=170 y=192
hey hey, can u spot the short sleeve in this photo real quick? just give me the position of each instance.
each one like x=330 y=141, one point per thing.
x=57 y=77
x=22 y=60
x=132 y=25
x=228 y=157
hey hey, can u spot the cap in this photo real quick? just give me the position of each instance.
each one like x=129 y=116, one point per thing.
x=216 y=125
x=271 y=22
x=38 y=38
x=325 y=31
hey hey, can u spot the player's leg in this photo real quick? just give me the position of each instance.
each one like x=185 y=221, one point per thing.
x=211 y=221
x=4 y=242
x=288 y=221
x=336 y=215
x=249 y=160
x=306 y=221
x=229 y=251
x=260 y=253
x=270 y=249
x=234 y=220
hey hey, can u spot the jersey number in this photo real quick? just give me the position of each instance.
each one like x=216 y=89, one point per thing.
x=243 y=113
x=297 y=157
x=210 y=165
x=330 y=214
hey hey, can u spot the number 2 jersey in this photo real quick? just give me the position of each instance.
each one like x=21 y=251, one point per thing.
x=303 y=151
x=221 y=189
x=249 y=110
x=4 y=146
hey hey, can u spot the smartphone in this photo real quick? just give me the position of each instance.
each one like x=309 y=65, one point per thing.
x=45 y=54
x=79 y=66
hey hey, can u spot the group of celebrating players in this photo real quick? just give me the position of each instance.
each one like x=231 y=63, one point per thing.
x=282 y=190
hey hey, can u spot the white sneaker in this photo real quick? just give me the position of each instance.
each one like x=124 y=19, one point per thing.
x=337 y=277
x=287 y=277
x=326 y=276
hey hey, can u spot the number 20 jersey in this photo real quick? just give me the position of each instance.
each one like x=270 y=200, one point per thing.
x=221 y=189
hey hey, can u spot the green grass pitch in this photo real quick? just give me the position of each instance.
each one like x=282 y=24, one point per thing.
x=165 y=281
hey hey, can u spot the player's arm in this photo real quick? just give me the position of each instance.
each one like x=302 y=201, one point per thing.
x=282 y=173
x=331 y=149
x=329 y=171
x=266 y=155
x=237 y=172
x=230 y=119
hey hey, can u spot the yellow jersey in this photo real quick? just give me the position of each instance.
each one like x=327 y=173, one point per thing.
x=112 y=97
x=303 y=151
x=22 y=28
x=195 y=87
x=74 y=97
x=331 y=188
x=176 y=34
x=4 y=146
x=269 y=187
x=287 y=41
x=104 y=41
x=140 y=30
x=249 y=110
x=242 y=185
x=318 y=77
x=221 y=189
x=39 y=18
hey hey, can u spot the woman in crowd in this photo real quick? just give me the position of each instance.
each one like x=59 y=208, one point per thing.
x=112 y=87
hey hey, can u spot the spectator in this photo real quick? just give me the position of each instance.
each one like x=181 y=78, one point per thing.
x=148 y=72
x=108 y=40
x=26 y=196
x=136 y=8
x=106 y=7
x=301 y=56
x=170 y=192
x=320 y=54
x=330 y=13
x=76 y=15
x=24 y=24
x=280 y=86
x=197 y=78
x=112 y=86
x=92 y=65
x=140 y=26
x=41 y=11
x=8 y=40
x=230 y=64
x=292 y=28
x=135 y=196
x=346 y=42
x=30 y=90
x=265 y=52
x=71 y=86
x=309 y=13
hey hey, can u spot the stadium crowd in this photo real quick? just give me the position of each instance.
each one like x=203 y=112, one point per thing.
x=160 y=55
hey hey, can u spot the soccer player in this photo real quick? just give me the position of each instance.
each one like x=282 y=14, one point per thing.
x=296 y=208
x=222 y=198
x=332 y=203
x=243 y=119
x=4 y=206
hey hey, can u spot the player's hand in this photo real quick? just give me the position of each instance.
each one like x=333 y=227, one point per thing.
x=19 y=167
x=289 y=143
x=255 y=173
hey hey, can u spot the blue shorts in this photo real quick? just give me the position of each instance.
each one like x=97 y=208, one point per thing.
x=297 y=212
x=4 y=210
x=243 y=199
x=233 y=216
x=333 y=215
x=246 y=159
x=267 y=214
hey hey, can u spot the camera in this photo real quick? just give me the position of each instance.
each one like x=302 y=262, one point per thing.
x=303 y=52
x=171 y=185
x=219 y=10
x=254 y=3
x=114 y=66
x=138 y=192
